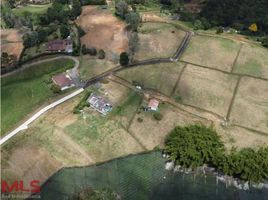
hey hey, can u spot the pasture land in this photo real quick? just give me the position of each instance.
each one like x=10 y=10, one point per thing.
x=91 y=66
x=207 y=89
x=252 y=60
x=24 y=91
x=162 y=77
x=152 y=133
x=250 y=107
x=34 y=9
x=157 y=40
x=218 y=53
x=103 y=31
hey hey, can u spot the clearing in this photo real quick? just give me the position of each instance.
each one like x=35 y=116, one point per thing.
x=103 y=31
x=207 y=89
x=24 y=91
x=91 y=66
x=218 y=53
x=11 y=42
x=162 y=77
x=250 y=107
x=153 y=42
x=252 y=60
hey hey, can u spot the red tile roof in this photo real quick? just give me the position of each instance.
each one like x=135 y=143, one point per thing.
x=153 y=104
x=62 y=80
x=58 y=45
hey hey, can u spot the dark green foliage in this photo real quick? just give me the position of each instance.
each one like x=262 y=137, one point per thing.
x=244 y=12
x=30 y=39
x=76 y=9
x=158 y=116
x=140 y=119
x=42 y=35
x=55 y=88
x=121 y=9
x=124 y=60
x=91 y=51
x=93 y=2
x=133 y=44
x=133 y=20
x=195 y=145
x=89 y=194
x=81 y=32
x=264 y=42
x=83 y=103
x=101 y=54
x=64 y=31
x=219 y=30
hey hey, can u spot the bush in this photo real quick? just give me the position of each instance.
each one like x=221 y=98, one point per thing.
x=124 y=60
x=219 y=30
x=101 y=54
x=158 y=116
x=265 y=42
x=55 y=88
x=93 y=2
x=83 y=103
x=140 y=119
x=81 y=32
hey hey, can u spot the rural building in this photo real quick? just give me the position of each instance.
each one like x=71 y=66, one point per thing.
x=99 y=104
x=153 y=104
x=65 y=45
x=63 y=81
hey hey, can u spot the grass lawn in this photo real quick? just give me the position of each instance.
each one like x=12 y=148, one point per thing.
x=218 y=53
x=90 y=66
x=162 y=77
x=22 y=92
x=34 y=9
x=253 y=60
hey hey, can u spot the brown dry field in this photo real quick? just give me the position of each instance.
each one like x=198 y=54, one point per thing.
x=151 y=17
x=218 y=53
x=11 y=42
x=207 y=89
x=158 y=40
x=103 y=30
x=250 y=107
x=152 y=133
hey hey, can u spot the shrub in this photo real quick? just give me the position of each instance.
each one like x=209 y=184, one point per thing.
x=101 y=54
x=93 y=2
x=83 y=103
x=55 y=88
x=140 y=119
x=158 y=116
x=124 y=60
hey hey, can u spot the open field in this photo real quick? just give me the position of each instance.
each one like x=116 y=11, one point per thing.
x=23 y=91
x=207 y=89
x=252 y=60
x=218 y=53
x=34 y=9
x=250 y=107
x=162 y=77
x=11 y=42
x=91 y=66
x=152 y=133
x=153 y=42
x=103 y=31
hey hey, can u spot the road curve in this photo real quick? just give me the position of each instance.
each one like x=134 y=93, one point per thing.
x=38 y=114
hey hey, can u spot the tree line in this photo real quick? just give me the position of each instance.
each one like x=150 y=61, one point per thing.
x=195 y=145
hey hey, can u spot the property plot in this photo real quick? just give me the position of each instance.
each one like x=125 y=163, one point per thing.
x=250 y=107
x=162 y=77
x=252 y=60
x=158 y=40
x=90 y=67
x=103 y=31
x=206 y=89
x=152 y=133
x=218 y=53
x=11 y=42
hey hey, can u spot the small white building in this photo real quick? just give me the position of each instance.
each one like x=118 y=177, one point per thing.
x=99 y=104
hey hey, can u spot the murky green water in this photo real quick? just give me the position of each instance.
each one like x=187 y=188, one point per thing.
x=141 y=177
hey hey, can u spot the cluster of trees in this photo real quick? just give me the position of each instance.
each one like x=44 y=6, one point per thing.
x=83 y=103
x=195 y=145
x=93 y=51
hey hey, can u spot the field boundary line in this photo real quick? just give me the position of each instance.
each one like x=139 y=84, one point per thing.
x=233 y=98
x=236 y=58
x=251 y=129
x=178 y=80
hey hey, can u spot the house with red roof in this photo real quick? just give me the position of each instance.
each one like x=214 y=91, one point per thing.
x=63 y=80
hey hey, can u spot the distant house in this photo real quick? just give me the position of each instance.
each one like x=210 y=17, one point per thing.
x=65 y=45
x=153 y=104
x=99 y=104
x=63 y=81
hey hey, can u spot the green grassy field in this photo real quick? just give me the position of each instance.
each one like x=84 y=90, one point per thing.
x=253 y=60
x=162 y=77
x=34 y=9
x=22 y=92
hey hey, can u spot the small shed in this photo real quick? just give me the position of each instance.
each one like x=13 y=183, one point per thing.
x=153 y=104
